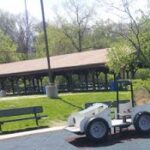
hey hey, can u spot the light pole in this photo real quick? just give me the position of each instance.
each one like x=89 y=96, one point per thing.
x=51 y=89
x=46 y=44
x=27 y=27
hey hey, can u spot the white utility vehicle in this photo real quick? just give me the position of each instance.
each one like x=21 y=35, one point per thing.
x=96 y=122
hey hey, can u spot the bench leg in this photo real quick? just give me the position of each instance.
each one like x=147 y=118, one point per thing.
x=0 y=127
x=36 y=119
x=37 y=123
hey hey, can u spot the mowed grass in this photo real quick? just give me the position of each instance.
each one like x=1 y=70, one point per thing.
x=57 y=110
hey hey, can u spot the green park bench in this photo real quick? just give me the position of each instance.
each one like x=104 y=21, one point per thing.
x=26 y=113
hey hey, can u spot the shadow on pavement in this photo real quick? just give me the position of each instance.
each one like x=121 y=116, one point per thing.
x=82 y=141
x=22 y=130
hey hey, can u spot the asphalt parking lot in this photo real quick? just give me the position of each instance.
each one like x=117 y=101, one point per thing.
x=63 y=140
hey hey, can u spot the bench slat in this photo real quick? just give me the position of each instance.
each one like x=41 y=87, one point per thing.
x=20 y=111
x=20 y=119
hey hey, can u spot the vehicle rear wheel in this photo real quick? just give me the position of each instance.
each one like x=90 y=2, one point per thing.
x=142 y=122
x=97 y=129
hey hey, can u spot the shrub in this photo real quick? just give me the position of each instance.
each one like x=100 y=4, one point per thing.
x=138 y=83
x=142 y=74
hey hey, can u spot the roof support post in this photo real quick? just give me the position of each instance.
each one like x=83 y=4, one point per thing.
x=12 y=85
x=25 y=85
x=69 y=82
x=86 y=80
x=38 y=85
x=106 y=81
x=33 y=84
x=93 y=80
x=97 y=80
x=2 y=85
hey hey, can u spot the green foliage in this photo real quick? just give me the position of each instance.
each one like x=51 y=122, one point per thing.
x=7 y=49
x=142 y=74
x=137 y=84
x=76 y=26
x=102 y=77
x=45 y=81
x=145 y=38
x=120 y=56
x=102 y=37
x=60 y=80
x=57 y=109
x=110 y=77
x=58 y=43
x=102 y=34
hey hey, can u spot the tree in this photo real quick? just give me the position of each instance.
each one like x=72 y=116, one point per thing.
x=122 y=58
x=76 y=24
x=19 y=30
x=7 y=49
x=145 y=38
x=131 y=29
x=8 y=24
x=25 y=33
x=102 y=37
x=58 y=43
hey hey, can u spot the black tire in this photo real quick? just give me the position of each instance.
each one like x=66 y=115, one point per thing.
x=97 y=129
x=142 y=122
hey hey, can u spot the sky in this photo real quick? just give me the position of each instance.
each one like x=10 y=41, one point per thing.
x=17 y=6
x=33 y=6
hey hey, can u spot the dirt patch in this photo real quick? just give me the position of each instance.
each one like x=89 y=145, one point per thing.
x=141 y=96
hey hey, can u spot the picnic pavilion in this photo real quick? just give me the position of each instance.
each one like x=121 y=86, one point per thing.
x=78 y=71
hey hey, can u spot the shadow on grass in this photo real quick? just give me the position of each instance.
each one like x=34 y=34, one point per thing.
x=71 y=104
x=22 y=130
x=82 y=141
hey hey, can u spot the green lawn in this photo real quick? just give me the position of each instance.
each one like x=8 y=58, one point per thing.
x=57 y=109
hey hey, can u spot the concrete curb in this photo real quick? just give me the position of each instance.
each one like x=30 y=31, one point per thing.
x=14 y=135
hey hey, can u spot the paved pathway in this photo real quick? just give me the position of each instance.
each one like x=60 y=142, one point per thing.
x=63 y=140
x=44 y=141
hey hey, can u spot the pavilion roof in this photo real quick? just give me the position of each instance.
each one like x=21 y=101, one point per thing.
x=73 y=60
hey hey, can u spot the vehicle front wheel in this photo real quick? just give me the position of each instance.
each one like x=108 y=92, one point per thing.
x=97 y=129
x=142 y=122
